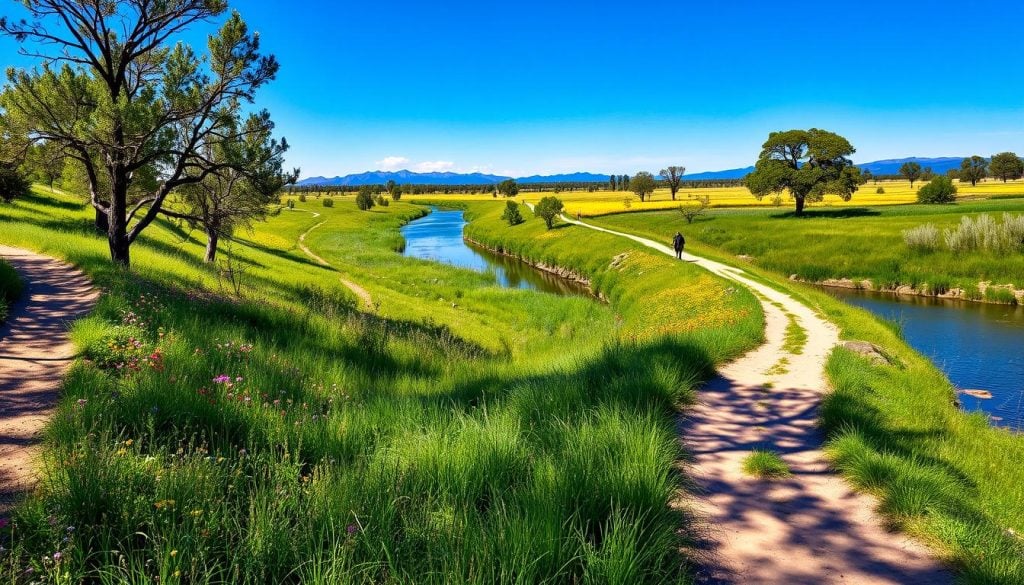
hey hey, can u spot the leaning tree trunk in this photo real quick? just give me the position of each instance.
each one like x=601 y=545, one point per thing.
x=212 y=236
x=799 y=206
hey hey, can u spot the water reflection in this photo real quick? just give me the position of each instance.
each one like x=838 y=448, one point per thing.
x=438 y=237
x=979 y=346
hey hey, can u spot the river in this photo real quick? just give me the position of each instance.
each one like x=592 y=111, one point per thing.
x=438 y=237
x=979 y=346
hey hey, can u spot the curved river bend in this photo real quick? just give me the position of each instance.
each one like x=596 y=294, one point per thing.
x=979 y=346
x=438 y=237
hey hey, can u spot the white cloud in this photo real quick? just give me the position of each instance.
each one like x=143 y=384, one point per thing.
x=435 y=166
x=392 y=163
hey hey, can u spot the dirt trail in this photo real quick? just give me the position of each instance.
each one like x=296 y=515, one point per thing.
x=34 y=353
x=811 y=528
x=359 y=291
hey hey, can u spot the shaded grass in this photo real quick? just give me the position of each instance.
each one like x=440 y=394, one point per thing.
x=10 y=288
x=285 y=436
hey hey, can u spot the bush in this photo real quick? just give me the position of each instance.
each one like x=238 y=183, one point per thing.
x=940 y=190
x=291 y=204
x=364 y=199
x=302 y=197
x=10 y=288
x=985 y=233
x=383 y=201
x=328 y=202
x=880 y=190
x=13 y=183
x=512 y=214
x=923 y=238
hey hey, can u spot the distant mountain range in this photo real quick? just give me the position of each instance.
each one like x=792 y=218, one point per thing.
x=881 y=167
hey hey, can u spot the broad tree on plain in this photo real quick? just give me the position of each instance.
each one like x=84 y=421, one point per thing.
x=673 y=177
x=1006 y=166
x=973 y=169
x=119 y=94
x=807 y=163
x=643 y=185
x=911 y=171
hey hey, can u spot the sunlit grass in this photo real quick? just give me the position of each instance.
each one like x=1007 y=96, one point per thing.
x=765 y=464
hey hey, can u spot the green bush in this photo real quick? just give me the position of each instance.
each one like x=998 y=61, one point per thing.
x=302 y=197
x=880 y=190
x=291 y=204
x=940 y=190
x=13 y=183
x=10 y=288
x=364 y=199
x=328 y=202
x=512 y=214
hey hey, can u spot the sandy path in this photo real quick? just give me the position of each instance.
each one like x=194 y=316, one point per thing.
x=811 y=528
x=359 y=291
x=34 y=353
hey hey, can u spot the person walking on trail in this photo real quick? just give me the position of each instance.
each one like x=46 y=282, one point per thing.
x=678 y=242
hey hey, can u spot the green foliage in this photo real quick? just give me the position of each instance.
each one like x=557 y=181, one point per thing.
x=939 y=190
x=880 y=190
x=807 y=163
x=291 y=204
x=364 y=198
x=11 y=287
x=911 y=171
x=512 y=214
x=693 y=211
x=973 y=169
x=508 y=188
x=1006 y=166
x=328 y=201
x=302 y=197
x=13 y=183
x=548 y=209
x=765 y=464
x=642 y=184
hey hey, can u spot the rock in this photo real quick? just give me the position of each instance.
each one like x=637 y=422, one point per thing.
x=745 y=258
x=868 y=350
x=982 y=394
x=794 y=277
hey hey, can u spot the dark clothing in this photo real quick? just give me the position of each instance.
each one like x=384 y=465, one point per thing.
x=678 y=243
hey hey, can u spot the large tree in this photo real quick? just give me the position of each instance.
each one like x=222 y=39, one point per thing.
x=230 y=198
x=119 y=93
x=973 y=169
x=911 y=171
x=642 y=184
x=1006 y=166
x=673 y=176
x=807 y=163
x=508 y=188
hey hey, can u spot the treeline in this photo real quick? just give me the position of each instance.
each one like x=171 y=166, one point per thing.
x=620 y=184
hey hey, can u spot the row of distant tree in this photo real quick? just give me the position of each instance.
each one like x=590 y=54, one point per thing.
x=1006 y=166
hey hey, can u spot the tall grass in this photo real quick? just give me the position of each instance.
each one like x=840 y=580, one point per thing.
x=986 y=234
x=10 y=288
x=283 y=436
x=923 y=238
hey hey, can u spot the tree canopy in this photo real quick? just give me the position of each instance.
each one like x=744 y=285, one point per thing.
x=119 y=94
x=911 y=171
x=642 y=184
x=939 y=190
x=1006 y=166
x=508 y=188
x=548 y=209
x=673 y=176
x=807 y=163
x=973 y=169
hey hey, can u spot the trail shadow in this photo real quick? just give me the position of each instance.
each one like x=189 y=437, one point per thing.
x=832 y=213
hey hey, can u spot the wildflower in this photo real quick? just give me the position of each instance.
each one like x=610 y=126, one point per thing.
x=222 y=379
x=174 y=553
x=57 y=556
x=352 y=528
x=129 y=442
x=81 y=402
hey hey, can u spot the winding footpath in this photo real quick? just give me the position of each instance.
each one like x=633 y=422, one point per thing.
x=35 y=351
x=810 y=528
x=359 y=291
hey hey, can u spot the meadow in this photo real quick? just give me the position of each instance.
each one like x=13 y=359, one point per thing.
x=604 y=202
x=858 y=243
x=456 y=432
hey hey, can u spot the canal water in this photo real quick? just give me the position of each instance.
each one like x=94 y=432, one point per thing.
x=438 y=237
x=979 y=346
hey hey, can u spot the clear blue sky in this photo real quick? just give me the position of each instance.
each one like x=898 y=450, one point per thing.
x=541 y=87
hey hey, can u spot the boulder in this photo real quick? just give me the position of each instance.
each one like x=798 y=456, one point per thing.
x=869 y=351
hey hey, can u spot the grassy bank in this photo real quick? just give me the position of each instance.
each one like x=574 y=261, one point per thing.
x=458 y=433
x=894 y=430
x=10 y=288
x=856 y=243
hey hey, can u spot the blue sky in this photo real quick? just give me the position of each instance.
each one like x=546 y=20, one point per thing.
x=542 y=87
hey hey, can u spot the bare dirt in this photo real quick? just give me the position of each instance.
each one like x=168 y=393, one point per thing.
x=35 y=351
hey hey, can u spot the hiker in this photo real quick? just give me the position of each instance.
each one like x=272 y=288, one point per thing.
x=677 y=243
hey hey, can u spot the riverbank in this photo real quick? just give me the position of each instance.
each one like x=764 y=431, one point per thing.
x=983 y=292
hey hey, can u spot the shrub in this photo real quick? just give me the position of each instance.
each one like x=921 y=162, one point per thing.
x=985 y=233
x=291 y=204
x=880 y=190
x=923 y=238
x=302 y=197
x=512 y=214
x=940 y=190
x=328 y=202
x=998 y=294
x=13 y=183
x=10 y=288
x=383 y=201
x=765 y=464
x=364 y=199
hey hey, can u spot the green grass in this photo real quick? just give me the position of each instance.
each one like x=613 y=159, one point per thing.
x=10 y=288
x=796 y=336
x=765 y=464
x=284 y=436
x=856 y=243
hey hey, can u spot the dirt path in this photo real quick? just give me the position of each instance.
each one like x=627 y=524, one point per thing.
x=355 y=288
x=811 y=528
x=34 y=353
